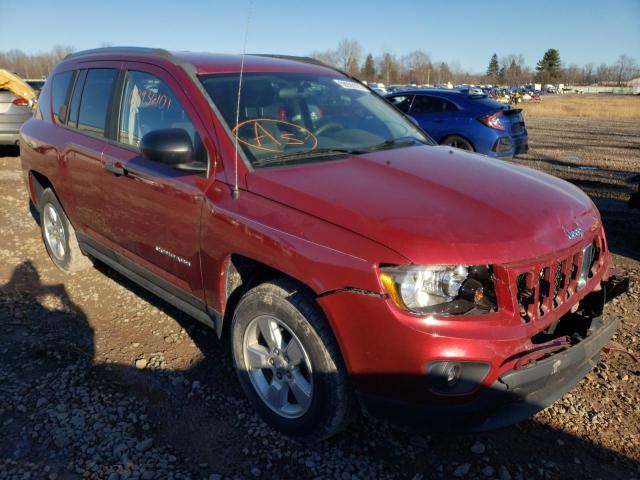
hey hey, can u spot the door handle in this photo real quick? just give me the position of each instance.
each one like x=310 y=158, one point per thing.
x=114 y=168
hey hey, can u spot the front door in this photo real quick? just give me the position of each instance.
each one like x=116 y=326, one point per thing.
x=154 y=209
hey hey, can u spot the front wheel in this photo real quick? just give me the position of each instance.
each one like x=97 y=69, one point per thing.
x=288 y=361
x=458 y=142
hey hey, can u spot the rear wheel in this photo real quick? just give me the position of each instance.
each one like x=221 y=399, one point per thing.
x=458 y=142
x=288 y=361
x=59 y=236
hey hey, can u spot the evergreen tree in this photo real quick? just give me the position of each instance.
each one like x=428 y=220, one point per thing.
x=549 y=67
x=369 y=69
x=494 y=68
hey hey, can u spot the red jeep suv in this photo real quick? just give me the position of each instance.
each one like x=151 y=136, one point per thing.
x=355 y=264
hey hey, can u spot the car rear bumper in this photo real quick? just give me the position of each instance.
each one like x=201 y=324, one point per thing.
x=10 y=128
x=9 y=138
x=520 y=143
x=515 y=396
x=517 y=144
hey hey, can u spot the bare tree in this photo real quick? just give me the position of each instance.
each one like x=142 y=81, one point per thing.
x=603 y=73
x=348 y=55
x=32 y=65
x=572 y=74
x=418 y=66
x=624 y=68
x=329 y=57
x=587 y=73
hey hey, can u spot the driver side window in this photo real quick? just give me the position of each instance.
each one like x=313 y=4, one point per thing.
x=148 y=104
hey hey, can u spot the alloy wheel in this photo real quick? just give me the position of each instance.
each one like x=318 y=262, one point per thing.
x=54 y=232
x=278 y=366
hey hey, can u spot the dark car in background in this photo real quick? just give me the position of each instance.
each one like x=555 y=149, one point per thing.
x=469 y=121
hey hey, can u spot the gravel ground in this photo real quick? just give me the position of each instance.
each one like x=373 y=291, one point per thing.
x=99 y=379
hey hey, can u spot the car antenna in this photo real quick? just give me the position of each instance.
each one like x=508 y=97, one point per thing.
x=236 y=191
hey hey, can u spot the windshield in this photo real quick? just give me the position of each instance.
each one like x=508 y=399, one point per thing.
x=298 y=117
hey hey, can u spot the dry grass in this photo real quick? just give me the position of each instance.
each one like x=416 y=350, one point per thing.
x=613 y=107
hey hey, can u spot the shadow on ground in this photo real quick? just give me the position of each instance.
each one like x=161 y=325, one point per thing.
x=9 y=151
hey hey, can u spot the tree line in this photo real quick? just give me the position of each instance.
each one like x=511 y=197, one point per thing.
x=36 y=65
x=413 y=68
x=510 y=69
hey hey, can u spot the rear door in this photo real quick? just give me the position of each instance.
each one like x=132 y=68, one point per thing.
x=435 y=114
x=154 y=209
x=85 y=115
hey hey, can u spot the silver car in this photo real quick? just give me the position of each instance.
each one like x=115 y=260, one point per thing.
x=14 y=111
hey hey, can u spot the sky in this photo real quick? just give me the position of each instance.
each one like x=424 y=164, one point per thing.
x=464 y=33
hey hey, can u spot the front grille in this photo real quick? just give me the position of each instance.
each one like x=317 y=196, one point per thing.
x=542 y=288
x=558 y=278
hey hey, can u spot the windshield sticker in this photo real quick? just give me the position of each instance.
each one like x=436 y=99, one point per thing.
x=273 y=135
x=350 y=85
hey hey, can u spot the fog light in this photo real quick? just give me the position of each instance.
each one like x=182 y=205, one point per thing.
x=453 y=374
x=454 y=378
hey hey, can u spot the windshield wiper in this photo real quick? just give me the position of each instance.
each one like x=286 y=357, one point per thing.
x=396 y=142
x=320 y=152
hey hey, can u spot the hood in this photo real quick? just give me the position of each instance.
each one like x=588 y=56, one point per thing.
x=436 y=205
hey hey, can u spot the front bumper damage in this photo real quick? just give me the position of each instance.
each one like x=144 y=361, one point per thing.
x=540 y=377
x=515 y=396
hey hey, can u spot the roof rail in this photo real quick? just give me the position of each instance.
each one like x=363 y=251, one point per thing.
x=145 y=50
x=156 y=52
x=310 y=60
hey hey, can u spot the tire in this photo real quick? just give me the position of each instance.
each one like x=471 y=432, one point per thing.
x=59 y=235
x=289 y=308
x=457 y=141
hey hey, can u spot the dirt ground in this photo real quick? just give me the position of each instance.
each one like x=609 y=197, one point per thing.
x=601 y=106
x=99 y=379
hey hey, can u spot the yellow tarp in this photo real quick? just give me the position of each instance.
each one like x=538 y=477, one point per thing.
x=12 y=82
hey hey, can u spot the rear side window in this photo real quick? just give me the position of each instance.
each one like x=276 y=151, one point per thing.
x=94 y=105
x=425 y=104
x=149 y=104
x=61 y=83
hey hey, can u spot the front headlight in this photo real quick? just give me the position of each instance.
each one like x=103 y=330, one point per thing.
x=455 y=289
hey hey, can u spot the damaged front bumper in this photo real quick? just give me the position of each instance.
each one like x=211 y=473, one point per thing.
x=515 y=396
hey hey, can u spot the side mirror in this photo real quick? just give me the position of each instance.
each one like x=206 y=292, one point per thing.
x=171 y=146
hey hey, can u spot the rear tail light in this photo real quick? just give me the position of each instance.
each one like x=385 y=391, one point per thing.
x=21 y=101
x=493 y=121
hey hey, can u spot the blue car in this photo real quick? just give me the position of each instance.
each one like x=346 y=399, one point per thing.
x=470 y=121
